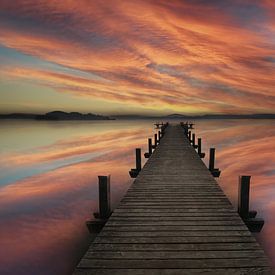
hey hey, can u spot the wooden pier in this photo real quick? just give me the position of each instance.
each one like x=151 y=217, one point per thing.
x=174 y=219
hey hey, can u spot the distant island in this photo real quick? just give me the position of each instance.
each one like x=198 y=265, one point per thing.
x=60 y=115
x=188 y=117
x=56 y=115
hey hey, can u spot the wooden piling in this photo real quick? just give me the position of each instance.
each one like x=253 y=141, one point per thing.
x=254 y=224
x=194 y=141
x=150 y=149
x=202 y=155
x=138 y=159
x=189 y=135
x=243 y=199
x=215 y=171
x=104 y=196
x=211 y=159
x=159 y=136
x=155 y=141
x=104 y=206
x=134 y=172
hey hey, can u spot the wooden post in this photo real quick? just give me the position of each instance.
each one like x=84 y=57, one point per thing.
x=253 y=224
x=138 y=159
x=212 y=159
x=159 y=136
x=189 y=135
x=194 y=140
x=134 y=172
x=104 y=196
x=214 y=171
x=155 y=141
x=202 y=155
x=199 y=146
x=243 y=199
x=150 y=149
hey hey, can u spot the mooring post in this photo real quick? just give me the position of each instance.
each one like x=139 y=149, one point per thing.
x=150 y=149
x=194 y=141
x=211 y=159
x=214 y=171
x=189 y=135
x=243 y=200
x=104 y=196
x=253 y=224
x=138 y=159
x=104 y=205
x=134 y=172
x=155 y=141
x=202 y=155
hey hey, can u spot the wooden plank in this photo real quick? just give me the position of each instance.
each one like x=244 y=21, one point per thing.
x=172 y=239
x=174 y=220
x=182 y=263
x=214 y=254
x=157 y=228
x=173 y=271
x=162 y=214
x=175 y=210
x=175 y=246
x=198 y=222
x=174 y=233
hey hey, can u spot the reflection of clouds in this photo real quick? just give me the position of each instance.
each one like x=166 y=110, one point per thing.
x=168 y=52
x=246 y=147
x=42 y=217
x=63 y=152
x=70 y=148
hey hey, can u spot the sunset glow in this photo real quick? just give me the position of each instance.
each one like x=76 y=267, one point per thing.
x=142 y=57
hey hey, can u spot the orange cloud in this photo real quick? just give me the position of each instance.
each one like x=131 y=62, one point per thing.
x=153 y=53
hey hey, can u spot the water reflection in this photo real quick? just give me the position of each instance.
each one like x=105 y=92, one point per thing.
x=49 y=181
x=246 y=147
x=43 y=215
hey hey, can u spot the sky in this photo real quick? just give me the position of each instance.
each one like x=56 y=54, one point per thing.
x=138 y=56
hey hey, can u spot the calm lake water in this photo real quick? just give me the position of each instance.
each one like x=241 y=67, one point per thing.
x=48 y=181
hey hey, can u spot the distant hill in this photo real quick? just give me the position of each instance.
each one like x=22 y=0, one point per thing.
x=249 y=116
x=186 y=117
x=56 y=115
x=60 y=115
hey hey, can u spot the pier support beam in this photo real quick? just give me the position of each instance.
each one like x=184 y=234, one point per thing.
x=134 y=172
x=253 y=224
x=202 y=155
x=189 y=135
x=159 y=136
x=150 y=149
x=214 y=171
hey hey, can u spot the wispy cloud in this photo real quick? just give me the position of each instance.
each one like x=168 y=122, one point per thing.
x=190 y=56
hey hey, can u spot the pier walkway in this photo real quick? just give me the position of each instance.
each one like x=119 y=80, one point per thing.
x=174 y=219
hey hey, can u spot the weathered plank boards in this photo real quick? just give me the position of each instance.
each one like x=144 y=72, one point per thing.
x=174 y=219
